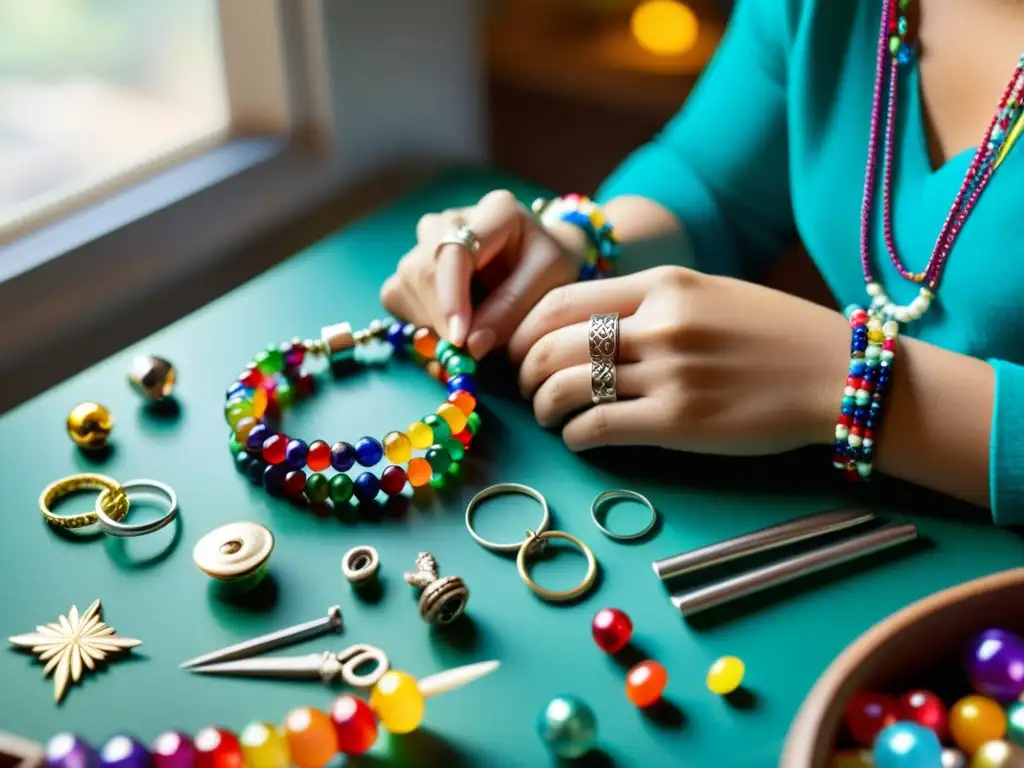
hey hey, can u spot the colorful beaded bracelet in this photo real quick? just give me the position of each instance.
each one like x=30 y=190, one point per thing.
x=277 y=376
x=872 y=349
x=584 y=213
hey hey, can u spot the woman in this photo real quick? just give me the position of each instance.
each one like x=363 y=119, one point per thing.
x=784 y=142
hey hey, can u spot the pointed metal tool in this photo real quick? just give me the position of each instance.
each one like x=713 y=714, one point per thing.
x=289 y=636
x=328 y=667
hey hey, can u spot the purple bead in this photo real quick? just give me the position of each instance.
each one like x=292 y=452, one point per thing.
x=343 y=456
x=124 y=752
x=65 y=750
x=293 y=355
x=463 y=381
x=295 y=454
x=173 y=749
x=254 y=442
x=995 y=664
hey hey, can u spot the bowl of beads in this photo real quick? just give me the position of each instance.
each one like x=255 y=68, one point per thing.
x=936 y=685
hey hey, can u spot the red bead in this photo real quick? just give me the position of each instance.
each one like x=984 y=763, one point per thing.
x=867 y=386
x=305 y=385
x=854 y=381
x=924 y=708
x=251 y=378
x=856 y=430
x=845 y=419
x=217 y=748
x=868 y=713
x=889 y=344
x=611 y=629
x=294 y=483
x=392 y=480
x=465 y=437
x=319 y=457
x=645 y=683
x=858 y=317
x=274 y=448
x=354 y=724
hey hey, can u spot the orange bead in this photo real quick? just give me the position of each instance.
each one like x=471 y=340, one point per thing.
x=463 y=400
x=425 y=342
x=312 y=740
x=434 y=369
x=645 y=683
x=259 y=403
x=419 y=472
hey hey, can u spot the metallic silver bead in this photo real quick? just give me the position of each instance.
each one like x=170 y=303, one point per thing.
x=443 y=600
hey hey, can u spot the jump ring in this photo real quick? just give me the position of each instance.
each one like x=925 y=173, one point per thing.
x=61 y=488
x=113 y=527
x=623 y=494
x=498 y=490
x=603 y=336
x=360 y=565
x=552 y=596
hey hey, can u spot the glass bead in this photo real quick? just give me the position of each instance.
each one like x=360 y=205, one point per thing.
x=438 y=459
x=867 y=713
x=294 y=483
x=455 y=449
x=243 y=429
x=236 y=410
x=217 y=748
x=463 y=381
x=263 y=746
x=238 y=390
x=319 y=457
x=419 y=472
x=284 y=395
x=473 y=423
x=397 y=447
x=312 y=742
x=425 y=342
x=242 y=459
x=397 y=702
x=65 y=750
x=454 y=416
x=460 y=364
x=462 y=400
x=923 y=708
x=343 y=456
x=273 y=478
x=124 y=752
x=448 y=354
x=354 y=724
x=270 y=362
x=369 y=451
x=250 y=378
x=366 y=487
x=254 y=442
x=295 y=453
x=317 y=488
x=454 y=472
x=725 y=675
x=305 y=385
x=905 y=54
x=256 y=469
x=438 y=482
x=396 y=338
x=568 y=727
x=465 y=438
x=274 y=448
x=439 y=429
x=995 y=664
x=435 y=371
x=851 y=758
x=392 y=480
x=260 y=400
x=907 y=745
x=341 y=489
x=611 y=629
x=973 y=720
x=420 y=435
x=645 y=683
x=444 y=346
x=294 y=353
x=408 y=331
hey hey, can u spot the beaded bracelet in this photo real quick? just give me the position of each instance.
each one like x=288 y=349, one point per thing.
x=584 y=213
x=872 y=349
x=277 y=376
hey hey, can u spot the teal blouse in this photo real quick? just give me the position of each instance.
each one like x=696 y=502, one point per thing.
x=771 y=148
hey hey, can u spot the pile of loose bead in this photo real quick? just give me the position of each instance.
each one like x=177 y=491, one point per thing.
x=273 y=381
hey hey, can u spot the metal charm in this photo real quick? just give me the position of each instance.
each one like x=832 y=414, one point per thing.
x=443 y=599
x=360 y=565
x=152 y=377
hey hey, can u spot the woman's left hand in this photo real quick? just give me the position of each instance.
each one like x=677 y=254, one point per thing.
x=705 y=364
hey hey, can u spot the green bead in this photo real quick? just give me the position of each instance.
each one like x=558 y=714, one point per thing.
x=270 y=362
x=317 y=488
x=237 y=409
x=904 y=4
x=443 y=346
x=448 y=354
x=473 y=423
x=234 y=445
x=894 y=44
x=454 y=472
x=284 y=394
x=455 y=449
x=438 y=427
x=340 y=488
x=461 y=364
x=1015 y=724
x=438 y=482
x=438 y=459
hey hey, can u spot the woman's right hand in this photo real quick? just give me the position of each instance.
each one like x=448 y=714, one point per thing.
x=519 y=261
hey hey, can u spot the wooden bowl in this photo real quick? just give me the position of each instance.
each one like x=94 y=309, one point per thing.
x=923 y=635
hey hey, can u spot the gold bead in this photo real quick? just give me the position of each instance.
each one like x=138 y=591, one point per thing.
x=153 y=377
x=89 y=425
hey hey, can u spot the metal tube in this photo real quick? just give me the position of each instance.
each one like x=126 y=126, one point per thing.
x=689 y=603
x=760 y=541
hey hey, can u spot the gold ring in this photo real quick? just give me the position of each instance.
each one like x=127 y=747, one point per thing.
x=116 y=507
x=535 y=542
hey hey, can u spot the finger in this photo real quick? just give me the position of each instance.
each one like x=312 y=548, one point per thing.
x=401 y=304
x=569 y=390
x=627 y=422
x=415 y=271
x=495 y=221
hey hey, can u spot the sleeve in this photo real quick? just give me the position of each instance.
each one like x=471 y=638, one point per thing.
x=721 y=164
x=1006 y=449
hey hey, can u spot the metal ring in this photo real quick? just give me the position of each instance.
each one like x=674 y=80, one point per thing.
x=110 y=525
x=534 y=543
x=360 y=564
x=603 y=336
x=60 y=488
x=462 y=236
x=623 y=494
x=498 y=490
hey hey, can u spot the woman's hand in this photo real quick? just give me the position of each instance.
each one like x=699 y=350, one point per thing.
x=518 y=262
x=705 y=364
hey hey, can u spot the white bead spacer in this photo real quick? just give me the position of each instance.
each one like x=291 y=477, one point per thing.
x=874 y=324
x=863 y=469
x=842 y=432
x=854 y=441
x=887 y=355
x=337 y=338
x=891 y=329
x=867 y=442
x=849 y=392
x=873 y=289
x=901 y=315
x=890 y=309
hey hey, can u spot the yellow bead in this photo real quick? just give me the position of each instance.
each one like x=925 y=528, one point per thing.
x=974 y=720
x=998 y=754
x=454 y=416
x=725 y=675
x=263 y=746
x=397 y=447
x=243 y=428
x=876 y=336
x=420 y=435
x=89 y=425
x=397 y=701
x=852 y=758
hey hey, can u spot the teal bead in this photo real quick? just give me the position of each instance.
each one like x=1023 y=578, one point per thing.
x=1015 y=724
x=439 y=428
x=848 y=401
x=862 y=397
x=461 y=364
x=568 y=727
x=901 y=26
x=235 y=446
x=270 y=362
x=284 y=395
x=850 y=309
x=473 y=423
x=438 y=459
x=446 y=355
x=455 y=449
x=444 y=346
x=340 y=488
x=317 y=488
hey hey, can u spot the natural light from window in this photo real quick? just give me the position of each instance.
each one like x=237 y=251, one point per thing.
x=97 y=92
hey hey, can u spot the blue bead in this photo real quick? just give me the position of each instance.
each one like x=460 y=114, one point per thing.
x=256 y=469
x=254 y=442
x=861 y=330
x=870 y=423
x=907 y=745
x=905 y=54
x=846 y=409
x=343 y=456
x=366 y=487
x=858 y=368
x=396 y=337
x=463 y=381
x=369 y=451
x=860 y=413
x=238 y=389
x=408 y=331
x=273 y=477
x=295 y=453
x=841 y=445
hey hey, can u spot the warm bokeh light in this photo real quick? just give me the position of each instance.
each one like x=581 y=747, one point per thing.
x=665 y=27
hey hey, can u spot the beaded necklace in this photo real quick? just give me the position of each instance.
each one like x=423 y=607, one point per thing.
x=893 y=52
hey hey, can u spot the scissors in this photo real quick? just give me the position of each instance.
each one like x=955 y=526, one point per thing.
x=327 y=666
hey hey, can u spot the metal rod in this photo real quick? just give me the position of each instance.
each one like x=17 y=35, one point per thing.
x=689 y=603
x=760 y=541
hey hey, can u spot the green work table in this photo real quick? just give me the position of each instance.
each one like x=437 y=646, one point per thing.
x=152 y=591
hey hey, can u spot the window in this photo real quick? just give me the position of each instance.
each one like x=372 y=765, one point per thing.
x=97 y=93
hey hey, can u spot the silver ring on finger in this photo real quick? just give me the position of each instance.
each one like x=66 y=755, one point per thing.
x=603 y=332
x=462 y=236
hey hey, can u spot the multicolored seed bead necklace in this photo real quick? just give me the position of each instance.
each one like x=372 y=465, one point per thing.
x=893 y=52
x=277 y=377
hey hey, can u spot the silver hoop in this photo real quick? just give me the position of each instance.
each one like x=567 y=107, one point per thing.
x=623 y=494
x=499 y=490
x=462 y=236
x=360 y=565
x=112 y=527
x=603 y=333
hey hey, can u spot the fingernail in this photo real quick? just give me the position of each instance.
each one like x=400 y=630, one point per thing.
x=457 y=330
x=480 y=342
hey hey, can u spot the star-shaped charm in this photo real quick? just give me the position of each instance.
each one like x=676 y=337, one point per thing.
x=71 y=642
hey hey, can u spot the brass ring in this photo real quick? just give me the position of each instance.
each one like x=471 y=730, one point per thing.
x=117 y=506
x=534 y=543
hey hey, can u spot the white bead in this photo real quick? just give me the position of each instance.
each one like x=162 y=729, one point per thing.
x=901 y=315
x=912 y=314
x=874 y=323
x=849 y=392
x=854 y=441
x=863 y=469
x=920 y=305
x=842 y=432
x=879 y=301
x=867 y=442
x=889 y=309
x=838 y=465
x=887 y=355
x=873 y=289
x=872 y=352
x=891 y=329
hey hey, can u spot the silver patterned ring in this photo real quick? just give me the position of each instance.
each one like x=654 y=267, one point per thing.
x=112 y=527
x=603 y=332
x=606 y=496
x=462 y=236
